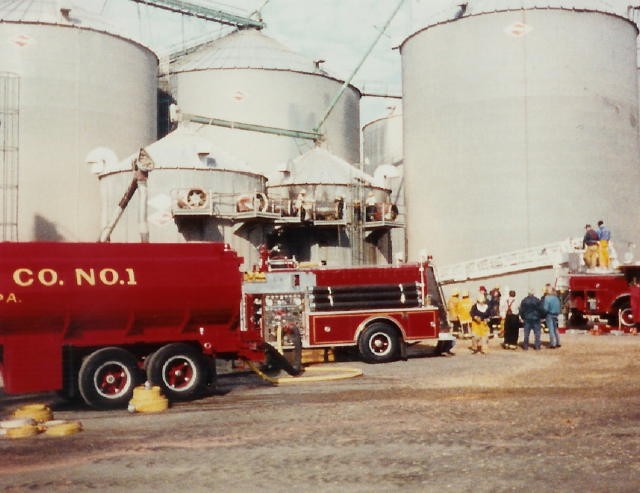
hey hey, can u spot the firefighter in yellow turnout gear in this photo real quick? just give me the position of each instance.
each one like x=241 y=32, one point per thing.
x=479 y=326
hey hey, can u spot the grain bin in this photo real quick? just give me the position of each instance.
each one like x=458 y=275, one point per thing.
x=249 y=77
x=331 y=212
x=196 y=192
x=81 y=86
x=520 y=125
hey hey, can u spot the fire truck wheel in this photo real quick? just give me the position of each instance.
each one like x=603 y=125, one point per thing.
x=626 y=317
x=178 y=369
x=107 y=377
x=379 y=343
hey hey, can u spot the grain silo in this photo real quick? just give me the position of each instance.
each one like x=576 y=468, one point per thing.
x=331 y=212
x=520 y=126
x=383 y=158
x=248 y=77
x=75 y=85
x=196 y=191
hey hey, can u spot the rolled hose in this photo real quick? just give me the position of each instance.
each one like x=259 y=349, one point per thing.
x=148 y=399
x=23 y=431
x=37 y=412
x=61 y=428
x=330 y=374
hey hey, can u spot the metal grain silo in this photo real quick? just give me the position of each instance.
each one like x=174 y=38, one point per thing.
x=383 y=158
x=330 y=211
x=520 y=126
x=80 y=86
x=249 y=77
x=382 y=141
x=195 y=192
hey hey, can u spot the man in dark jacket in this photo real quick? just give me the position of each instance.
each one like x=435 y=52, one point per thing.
x=531 y=311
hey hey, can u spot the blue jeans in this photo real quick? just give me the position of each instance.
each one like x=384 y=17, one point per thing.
x=552 y=325
x=530 y=325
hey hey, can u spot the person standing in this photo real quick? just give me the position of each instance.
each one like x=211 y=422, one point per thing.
x=494 y=310
x=452 y=311
x=479 y=327
x=531 y=311
x=604 y=235
x=464 y=315
x=590 y=245
x=509 y=313
x=551 y=306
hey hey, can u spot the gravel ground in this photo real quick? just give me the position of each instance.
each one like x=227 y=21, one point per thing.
x=560 y=420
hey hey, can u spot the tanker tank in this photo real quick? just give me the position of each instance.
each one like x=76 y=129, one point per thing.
x=520 y=126
x=248 y=77
x=77 y=83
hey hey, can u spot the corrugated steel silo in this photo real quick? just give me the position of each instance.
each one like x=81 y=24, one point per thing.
x=81 y=86
x=196 y=192
x=337 y=225
x=520 y=125
x=383 y=158
x=249 y=77
x=382 y=141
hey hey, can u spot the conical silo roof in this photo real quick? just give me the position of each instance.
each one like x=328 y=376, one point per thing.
x=424 y=17
x=56 y=12
x=245 y=48
x=184 y=148
x=320 y=166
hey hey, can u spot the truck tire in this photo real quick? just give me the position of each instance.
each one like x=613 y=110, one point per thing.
x=179 y=370
x=379 y=343
x=107 y=378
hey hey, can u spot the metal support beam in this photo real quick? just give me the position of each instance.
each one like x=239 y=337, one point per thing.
x=337 y=97
x=296 y=134
x=202 y=12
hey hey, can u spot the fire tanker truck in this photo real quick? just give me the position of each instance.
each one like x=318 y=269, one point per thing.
x=96 y=319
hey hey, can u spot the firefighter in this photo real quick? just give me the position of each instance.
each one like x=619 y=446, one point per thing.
x=590 y=245
x=464 y=316
x=479 y=326
x=452 y=311
x=603 y=244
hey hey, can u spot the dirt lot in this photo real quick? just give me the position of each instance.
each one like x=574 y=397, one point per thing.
x=553 y=420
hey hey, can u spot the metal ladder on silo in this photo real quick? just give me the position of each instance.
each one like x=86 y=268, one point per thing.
x=9 y=155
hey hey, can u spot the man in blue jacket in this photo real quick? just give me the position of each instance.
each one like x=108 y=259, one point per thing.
x=531 y=311
x=551 y=305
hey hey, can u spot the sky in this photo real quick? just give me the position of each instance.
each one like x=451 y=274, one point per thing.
x=337 y=31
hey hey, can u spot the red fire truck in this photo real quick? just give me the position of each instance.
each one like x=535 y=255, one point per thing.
x=603 y=297
x=96 y=319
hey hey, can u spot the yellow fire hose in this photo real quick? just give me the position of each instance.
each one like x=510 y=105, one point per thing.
x=327 y=374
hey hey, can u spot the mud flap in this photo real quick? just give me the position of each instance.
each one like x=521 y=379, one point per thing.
x=403 y=351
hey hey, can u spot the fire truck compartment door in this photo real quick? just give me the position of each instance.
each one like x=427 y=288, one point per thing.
x=330 y=328
x=32 y=363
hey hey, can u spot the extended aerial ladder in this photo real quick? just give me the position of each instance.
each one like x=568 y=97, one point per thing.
x=551 y=255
